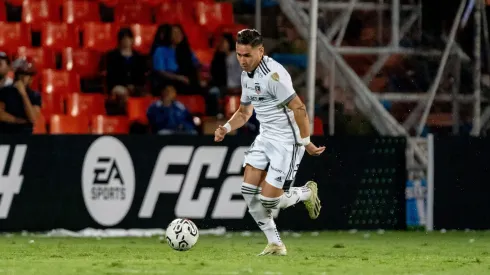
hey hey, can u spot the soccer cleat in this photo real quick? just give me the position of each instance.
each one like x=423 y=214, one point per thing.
x=313 y=203
x=274 y=249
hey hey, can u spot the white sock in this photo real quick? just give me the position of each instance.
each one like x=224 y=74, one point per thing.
x=294 y=195
x=261 y=215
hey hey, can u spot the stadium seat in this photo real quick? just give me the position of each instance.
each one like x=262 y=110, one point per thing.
x=3 y=13
x=137 y=107
x=61 y=82
x=143 y=37
x=42 y=58
x=52 y=104
x=79 y=104
x=36 y=12
x=205 y=56
x=171 y=13
x=197 y=36
x=100 y=37
x=65 y=124
x=212 y=15
x=232 y=103
x=58 y=36
x=85 y=62
x=318 y=127
x=14 y=35
x=110 y=125
x=154 y=3
x=77 y=12
x=40 y=125
x=113 y=3
x=16 y=3
x=195 y=104
x=132 y=13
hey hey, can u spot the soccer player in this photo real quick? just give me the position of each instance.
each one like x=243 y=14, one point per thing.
x=273 y=158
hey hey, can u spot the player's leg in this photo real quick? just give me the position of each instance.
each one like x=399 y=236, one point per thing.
x=262 y=216
x=276 y=191
x=255 y=165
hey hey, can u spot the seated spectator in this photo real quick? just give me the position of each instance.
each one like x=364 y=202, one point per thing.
x=159 y=39
x=116 y=104
x=225 y=70
x=125 y=66
x=167 y=116
x=20 y=106
x=4 y=70
x=175 y=64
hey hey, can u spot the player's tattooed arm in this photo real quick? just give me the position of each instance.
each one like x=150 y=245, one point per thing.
x=300 y=116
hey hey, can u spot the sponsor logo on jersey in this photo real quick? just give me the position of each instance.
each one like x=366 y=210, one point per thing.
x=108 y=181
x=11 y=182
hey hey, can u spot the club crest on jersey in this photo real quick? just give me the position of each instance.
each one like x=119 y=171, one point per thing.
x=257 y=88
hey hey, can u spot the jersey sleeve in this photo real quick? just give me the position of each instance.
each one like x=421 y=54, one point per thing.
x=281 y=87
x=243 y=99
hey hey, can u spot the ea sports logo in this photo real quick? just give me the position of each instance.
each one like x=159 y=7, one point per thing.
x=108 y=181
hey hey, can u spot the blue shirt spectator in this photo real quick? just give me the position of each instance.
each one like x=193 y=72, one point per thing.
x=167 y=116
x=165 y=59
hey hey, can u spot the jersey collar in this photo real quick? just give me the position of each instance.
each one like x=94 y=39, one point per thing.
x=262 y=66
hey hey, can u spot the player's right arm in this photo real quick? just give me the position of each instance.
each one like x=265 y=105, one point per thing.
x=239 y=118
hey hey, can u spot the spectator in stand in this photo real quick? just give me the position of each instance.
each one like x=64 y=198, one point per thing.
x=168 y=116
x=175 y=64
x=20 y=106
x=225 y=70
x=117 y=102
x=125 y=66
x=4 y=70
x=159 y=39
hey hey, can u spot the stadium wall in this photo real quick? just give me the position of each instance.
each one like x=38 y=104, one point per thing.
x=76 y=182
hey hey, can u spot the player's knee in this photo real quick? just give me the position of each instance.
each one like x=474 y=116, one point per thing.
x=269 y=203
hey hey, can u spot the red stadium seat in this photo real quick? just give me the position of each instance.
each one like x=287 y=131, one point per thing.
x=100 y=37
x=198 y=37
x=195 y=104
x=61 y=82
x=205 y=56
x=3 y=13
x=79 y=104
x=76 y=12
x=14 y=35
x=113 y=3
x=52 y=104
x=212 y=15
x=85 y=62
x=143 y=37
x=42 y=58
x=133 y=13
x=137 y=107
x=171 y=13
x=232 y=103
x=40 y=126
x=58 y=36
x=110 y=125
x=318 y=127
x=36 y=12
x=65 y=124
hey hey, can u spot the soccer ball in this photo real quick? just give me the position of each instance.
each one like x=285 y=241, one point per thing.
x=182 y=234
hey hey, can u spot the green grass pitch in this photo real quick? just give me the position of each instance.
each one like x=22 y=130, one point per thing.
x=323 y=253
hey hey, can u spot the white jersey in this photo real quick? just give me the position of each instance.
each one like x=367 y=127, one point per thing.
x=269 y=89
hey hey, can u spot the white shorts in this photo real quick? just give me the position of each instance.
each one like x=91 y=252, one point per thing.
x=281 y=161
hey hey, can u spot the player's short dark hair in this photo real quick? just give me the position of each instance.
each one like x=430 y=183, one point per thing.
x=249 y=37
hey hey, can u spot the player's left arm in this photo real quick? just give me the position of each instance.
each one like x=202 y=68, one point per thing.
x=282 y=88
